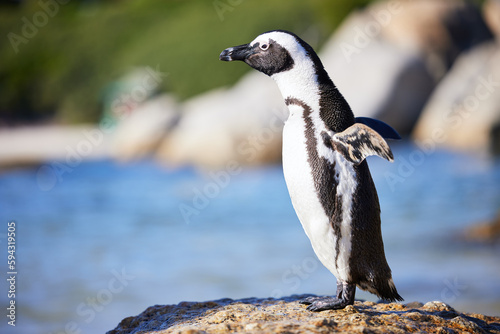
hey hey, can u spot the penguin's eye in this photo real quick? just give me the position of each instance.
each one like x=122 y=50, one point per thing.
x=264 y=47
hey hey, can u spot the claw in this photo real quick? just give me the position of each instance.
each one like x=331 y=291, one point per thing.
x=309 y=300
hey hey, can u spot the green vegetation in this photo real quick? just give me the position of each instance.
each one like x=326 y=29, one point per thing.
x=62 y=67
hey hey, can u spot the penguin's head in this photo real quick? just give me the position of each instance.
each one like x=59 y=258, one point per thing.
x=271 y=52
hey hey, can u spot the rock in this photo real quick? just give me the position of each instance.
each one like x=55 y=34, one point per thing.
x=438 y=30
x=382 y=81
x=242 y=124
x=140 y=132
x=491 y=13
x=387 y=59
x=126 y=94
x=485 y=232
x=464 y=111
x=286 y=315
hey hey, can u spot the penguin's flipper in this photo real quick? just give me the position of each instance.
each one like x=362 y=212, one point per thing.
x=358 y=142
x=384 y=129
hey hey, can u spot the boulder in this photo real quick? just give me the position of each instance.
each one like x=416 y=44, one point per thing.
x=243 y=124
x=491 y=13
x=120 y=98
x=483 y=232
x=438 y=30
x=464 y=111
x=140 y=132
x=387 y=59
x=287 y=315
x=382 y=81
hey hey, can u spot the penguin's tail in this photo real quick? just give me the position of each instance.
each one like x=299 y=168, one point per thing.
x=387 y=291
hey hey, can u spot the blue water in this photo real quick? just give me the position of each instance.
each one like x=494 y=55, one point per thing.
x=109 y=240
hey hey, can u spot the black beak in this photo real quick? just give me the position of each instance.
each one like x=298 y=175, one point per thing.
x=240 y=52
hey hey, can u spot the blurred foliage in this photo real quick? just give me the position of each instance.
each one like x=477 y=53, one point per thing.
x=62 y=70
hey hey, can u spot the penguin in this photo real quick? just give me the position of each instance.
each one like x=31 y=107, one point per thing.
x=327 y=176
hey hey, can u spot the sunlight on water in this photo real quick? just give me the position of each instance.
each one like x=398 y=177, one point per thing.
x=110 y=240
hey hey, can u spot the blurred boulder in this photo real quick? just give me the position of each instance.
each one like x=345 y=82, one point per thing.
x=123 y=96
x=242 y=124
x=483 y=232
x=382 y=81
x=387 y=58
x=438 y=30
x=464 y=110
x=140 y=132
x=491 y=13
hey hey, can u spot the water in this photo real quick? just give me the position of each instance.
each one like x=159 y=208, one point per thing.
x=109 y=240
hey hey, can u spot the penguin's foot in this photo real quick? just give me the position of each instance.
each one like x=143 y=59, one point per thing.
x=345 y=296
x=326 y=303
x=310 y=300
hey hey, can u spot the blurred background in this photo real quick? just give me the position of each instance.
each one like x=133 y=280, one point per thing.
x=141 y=170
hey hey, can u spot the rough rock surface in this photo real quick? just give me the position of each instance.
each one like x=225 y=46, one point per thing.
x=286 y=315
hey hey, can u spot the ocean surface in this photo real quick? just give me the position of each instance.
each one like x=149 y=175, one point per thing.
x=99 y=241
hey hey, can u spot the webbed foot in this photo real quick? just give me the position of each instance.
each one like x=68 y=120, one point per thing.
x=309 y=300
x=327 y=303
x=345 y=296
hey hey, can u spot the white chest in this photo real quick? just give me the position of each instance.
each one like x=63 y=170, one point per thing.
x=303 y=193
x=298 y=174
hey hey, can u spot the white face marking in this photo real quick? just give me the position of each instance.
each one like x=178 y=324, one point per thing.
x=285 y=40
